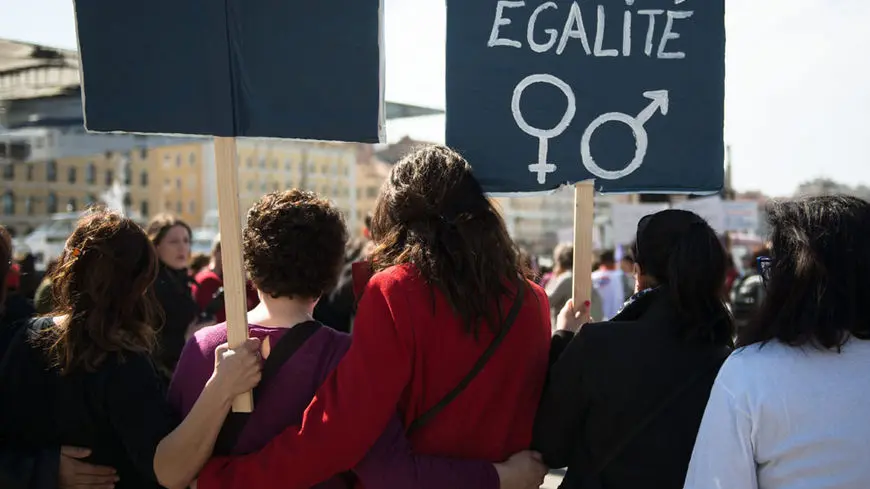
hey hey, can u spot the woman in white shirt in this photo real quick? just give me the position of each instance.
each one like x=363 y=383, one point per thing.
x=789 y=409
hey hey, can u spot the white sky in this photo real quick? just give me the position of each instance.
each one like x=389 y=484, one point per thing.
x=798 y=80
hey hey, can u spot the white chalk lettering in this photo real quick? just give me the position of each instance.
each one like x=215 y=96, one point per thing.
x=670 y=35
x=542 y=35
x=500 y=20
x=651 y=30
x=574 y=29
x=626 y=30
x=599 y=36
x=542 y=167
x=659 y=103
x=552 y=33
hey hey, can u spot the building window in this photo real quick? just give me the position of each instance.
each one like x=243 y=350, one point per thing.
x=51 y=203
x=8 y=171
x=192 y=207
x=143 y=178
x=128 y=175
x=91 y=173
x=71 y=174
x=108 y=155
x=51 y=171
x=178 y=183
x=90 y=200
x=143 y=208
x=192 y=159
x=71 y=205
x=29 y=172
x=28 y=205
x=178 y=161
x=143 y=153
x=110 y=178
x=178 y=207
x=9 y=203
x=128 y=201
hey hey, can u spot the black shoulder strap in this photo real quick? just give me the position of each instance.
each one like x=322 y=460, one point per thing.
x=481 y=362
x=283 y=350
x=653 y=414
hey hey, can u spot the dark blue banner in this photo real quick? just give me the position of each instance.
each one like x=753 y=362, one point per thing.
x=628 y=92
x=256 y=68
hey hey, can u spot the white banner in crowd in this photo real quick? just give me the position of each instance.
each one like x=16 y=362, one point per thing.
x=625 y=217
x=710 y=208
x=566 y=235
x=742 y=216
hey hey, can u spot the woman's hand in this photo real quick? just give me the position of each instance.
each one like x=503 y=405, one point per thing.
x=525 y=470
x=571 y=319
x=237 y=370
x=75 y=474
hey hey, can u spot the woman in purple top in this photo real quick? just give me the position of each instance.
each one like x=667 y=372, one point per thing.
x=294 y=249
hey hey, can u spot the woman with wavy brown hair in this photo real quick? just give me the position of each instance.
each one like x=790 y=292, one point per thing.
x=85 y=377
x=449 y=331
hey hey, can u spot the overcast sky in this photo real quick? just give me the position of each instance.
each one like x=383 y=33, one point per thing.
x=798 y=80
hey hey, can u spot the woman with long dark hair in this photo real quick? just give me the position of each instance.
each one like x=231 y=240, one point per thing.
x=625 y=398
x=85 y=376
x=789 y=408
x=173 y=287
x=448 y=287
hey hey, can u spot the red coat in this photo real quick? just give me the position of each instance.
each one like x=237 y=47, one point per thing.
x=405 y=355
x=207 y=285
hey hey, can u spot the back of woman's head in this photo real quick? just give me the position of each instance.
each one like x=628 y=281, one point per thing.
x=678 y=250
x=102 y=288
x=817 y=286
x=433 y=213
x=294 y=245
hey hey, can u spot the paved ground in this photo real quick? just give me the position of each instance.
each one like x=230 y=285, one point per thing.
x=553 y=480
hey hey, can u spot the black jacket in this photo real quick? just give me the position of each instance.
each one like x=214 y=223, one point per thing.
x=173 y=290
x=604 y=381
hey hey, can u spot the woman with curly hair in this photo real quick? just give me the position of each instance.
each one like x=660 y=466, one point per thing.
x=85 y=375
x=449 y=332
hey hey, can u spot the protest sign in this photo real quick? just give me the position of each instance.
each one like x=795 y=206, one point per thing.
x=624 y=219
x=742 y=216
x=629 y=93
x=254 y=68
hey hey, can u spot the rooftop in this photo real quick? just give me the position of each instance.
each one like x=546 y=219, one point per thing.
x=32 y=71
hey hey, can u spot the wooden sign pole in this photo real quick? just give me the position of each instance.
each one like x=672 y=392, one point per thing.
x=231 y=252
x=584 y=220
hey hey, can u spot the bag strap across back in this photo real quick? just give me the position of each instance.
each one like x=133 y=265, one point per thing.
x=511 y=318
x=283 y=350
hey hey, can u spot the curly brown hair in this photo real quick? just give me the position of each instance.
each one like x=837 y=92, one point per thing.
x=160 y=225
x=294 y=244
x=102 y=288
x=432 y=213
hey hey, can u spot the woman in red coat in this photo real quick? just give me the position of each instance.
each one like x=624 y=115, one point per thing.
x=446 y=277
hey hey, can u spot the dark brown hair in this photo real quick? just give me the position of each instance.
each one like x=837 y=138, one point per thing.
x=161 y=224
x=294 y=244
x=102 y=290
x=432 y=213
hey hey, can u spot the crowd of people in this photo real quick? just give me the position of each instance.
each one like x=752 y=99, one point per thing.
x=435 y=355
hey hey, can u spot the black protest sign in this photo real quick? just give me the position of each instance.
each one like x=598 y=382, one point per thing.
x=256 y=68
x=629 y=93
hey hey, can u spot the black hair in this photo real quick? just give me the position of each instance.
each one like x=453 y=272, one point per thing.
x=818 y=286
x=682 y=253
x=608 y=257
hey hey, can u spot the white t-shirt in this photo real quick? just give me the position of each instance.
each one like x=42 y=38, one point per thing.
x=610 y=286
x=782 y=417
